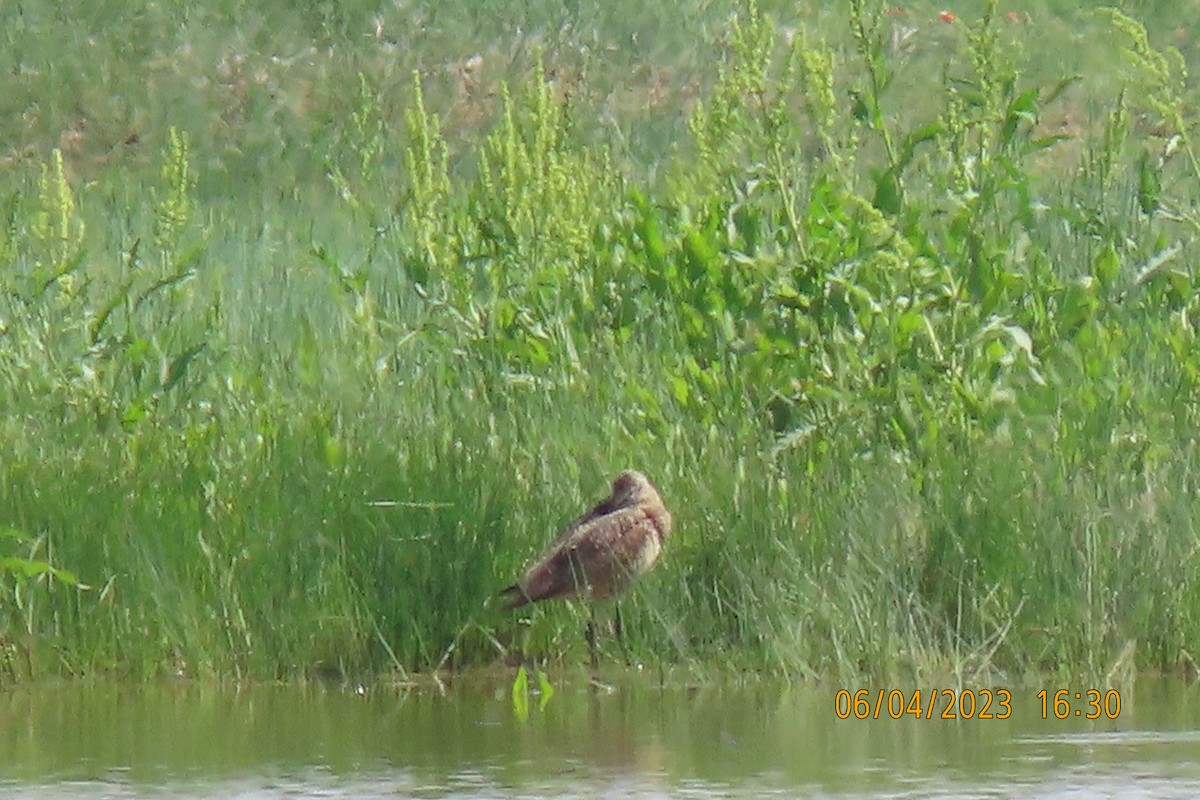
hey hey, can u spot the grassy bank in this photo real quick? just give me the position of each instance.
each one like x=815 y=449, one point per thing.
x=313 y=331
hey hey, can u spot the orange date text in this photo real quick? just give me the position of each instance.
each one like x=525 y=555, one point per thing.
x=923 y=704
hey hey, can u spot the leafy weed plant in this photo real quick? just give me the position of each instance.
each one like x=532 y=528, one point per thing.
x=918 y=380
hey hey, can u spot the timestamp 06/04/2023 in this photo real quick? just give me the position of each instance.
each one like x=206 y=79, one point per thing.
x=972 y=704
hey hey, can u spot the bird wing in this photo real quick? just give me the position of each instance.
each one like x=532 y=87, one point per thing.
x=597 y=551
x=604 y=508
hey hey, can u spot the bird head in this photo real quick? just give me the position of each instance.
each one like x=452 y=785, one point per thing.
x=631 y=488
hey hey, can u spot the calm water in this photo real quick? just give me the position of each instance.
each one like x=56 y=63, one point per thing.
x=635 y=740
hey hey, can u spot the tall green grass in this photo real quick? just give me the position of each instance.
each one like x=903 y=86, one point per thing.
x=905 y=335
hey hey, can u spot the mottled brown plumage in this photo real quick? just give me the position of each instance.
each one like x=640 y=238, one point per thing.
x=601 y=553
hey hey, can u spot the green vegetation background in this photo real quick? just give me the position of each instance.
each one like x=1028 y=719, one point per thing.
x=315 y=325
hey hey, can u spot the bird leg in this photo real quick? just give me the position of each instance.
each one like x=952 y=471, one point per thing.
x=590 y=634
x=619 y=631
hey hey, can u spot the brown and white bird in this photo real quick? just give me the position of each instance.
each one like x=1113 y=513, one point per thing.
x=601 y=553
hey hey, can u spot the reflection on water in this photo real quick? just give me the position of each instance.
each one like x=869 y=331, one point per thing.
x=638 y=740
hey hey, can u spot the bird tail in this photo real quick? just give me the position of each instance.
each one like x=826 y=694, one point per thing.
x=513 y=597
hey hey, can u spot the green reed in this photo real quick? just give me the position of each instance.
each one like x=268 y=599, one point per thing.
x=904 y=332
